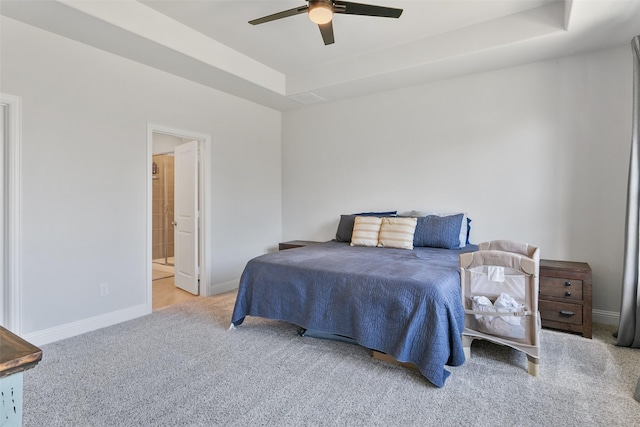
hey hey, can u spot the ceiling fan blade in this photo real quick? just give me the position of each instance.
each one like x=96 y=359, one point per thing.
x=367 y=9
x=327 y=32
x=280 y=15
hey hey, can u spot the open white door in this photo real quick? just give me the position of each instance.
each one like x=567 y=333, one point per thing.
x=186 y=217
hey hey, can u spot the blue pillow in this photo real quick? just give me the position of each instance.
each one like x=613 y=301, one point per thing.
x=438 y=231
x=345 y=226
x=380 y=214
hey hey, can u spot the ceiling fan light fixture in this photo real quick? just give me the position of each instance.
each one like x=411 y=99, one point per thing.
x=320 y=12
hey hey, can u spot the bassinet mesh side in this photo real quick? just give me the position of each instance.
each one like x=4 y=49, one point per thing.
x=520 y=281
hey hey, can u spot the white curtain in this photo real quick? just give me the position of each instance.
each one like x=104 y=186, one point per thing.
x=629 y=327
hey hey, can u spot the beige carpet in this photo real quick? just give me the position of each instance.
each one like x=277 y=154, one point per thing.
x=181 y=367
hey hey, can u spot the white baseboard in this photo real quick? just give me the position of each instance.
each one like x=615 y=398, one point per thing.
x=605 y=317
x=223 y=287
x=86 y=325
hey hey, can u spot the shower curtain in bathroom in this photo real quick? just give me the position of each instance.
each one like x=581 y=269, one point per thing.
x=629 y=327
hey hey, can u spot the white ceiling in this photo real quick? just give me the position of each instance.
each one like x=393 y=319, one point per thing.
x=284 y=64
x=294 y=44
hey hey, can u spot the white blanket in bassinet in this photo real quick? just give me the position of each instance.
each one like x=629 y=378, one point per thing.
x=501 y=325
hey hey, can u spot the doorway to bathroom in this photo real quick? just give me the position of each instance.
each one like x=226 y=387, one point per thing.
x=177 y=207
x=162 y=248
x=165 y=292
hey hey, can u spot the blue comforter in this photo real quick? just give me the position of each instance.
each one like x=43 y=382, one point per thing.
x=405 y=303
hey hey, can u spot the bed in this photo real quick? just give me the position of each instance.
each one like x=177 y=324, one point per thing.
x=405 y=303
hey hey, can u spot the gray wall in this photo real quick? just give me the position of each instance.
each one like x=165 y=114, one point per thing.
x=537 y=153
x=84 y=176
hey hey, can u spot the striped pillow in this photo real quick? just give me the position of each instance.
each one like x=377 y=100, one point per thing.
x=397 y=233
x=365 y=231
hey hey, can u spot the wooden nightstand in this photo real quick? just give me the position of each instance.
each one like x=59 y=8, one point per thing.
x=16 y=356
x=564 y=298
x=296 y=244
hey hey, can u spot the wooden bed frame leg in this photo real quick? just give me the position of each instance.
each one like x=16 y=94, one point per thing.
x=533 y=365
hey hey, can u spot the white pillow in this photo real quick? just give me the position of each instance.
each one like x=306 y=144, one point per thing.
x=463 y=224
x=397 y=233
x=365 y=231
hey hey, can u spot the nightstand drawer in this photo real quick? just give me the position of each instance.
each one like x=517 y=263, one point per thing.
x=560 y=312
x=561 y=288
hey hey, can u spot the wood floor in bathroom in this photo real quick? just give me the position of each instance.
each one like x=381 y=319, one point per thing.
x=165 y=293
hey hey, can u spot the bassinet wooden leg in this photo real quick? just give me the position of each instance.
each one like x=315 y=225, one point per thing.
x=533 y=365
x=466 y=346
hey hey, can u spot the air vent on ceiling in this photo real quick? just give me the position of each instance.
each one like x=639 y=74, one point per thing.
x=307 y=98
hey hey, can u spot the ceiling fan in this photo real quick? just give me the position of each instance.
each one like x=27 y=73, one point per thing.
x=321 y=12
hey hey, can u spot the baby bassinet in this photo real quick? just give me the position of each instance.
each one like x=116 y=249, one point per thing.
x=500 y=297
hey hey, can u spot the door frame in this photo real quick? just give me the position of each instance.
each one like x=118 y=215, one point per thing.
x=204 y=194
x=11 y=286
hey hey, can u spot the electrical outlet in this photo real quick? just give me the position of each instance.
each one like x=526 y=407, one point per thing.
x=104 y=289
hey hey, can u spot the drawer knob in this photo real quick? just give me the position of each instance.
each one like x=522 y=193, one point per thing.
x=566 y=313
x=567 y=283
x=568 y=293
